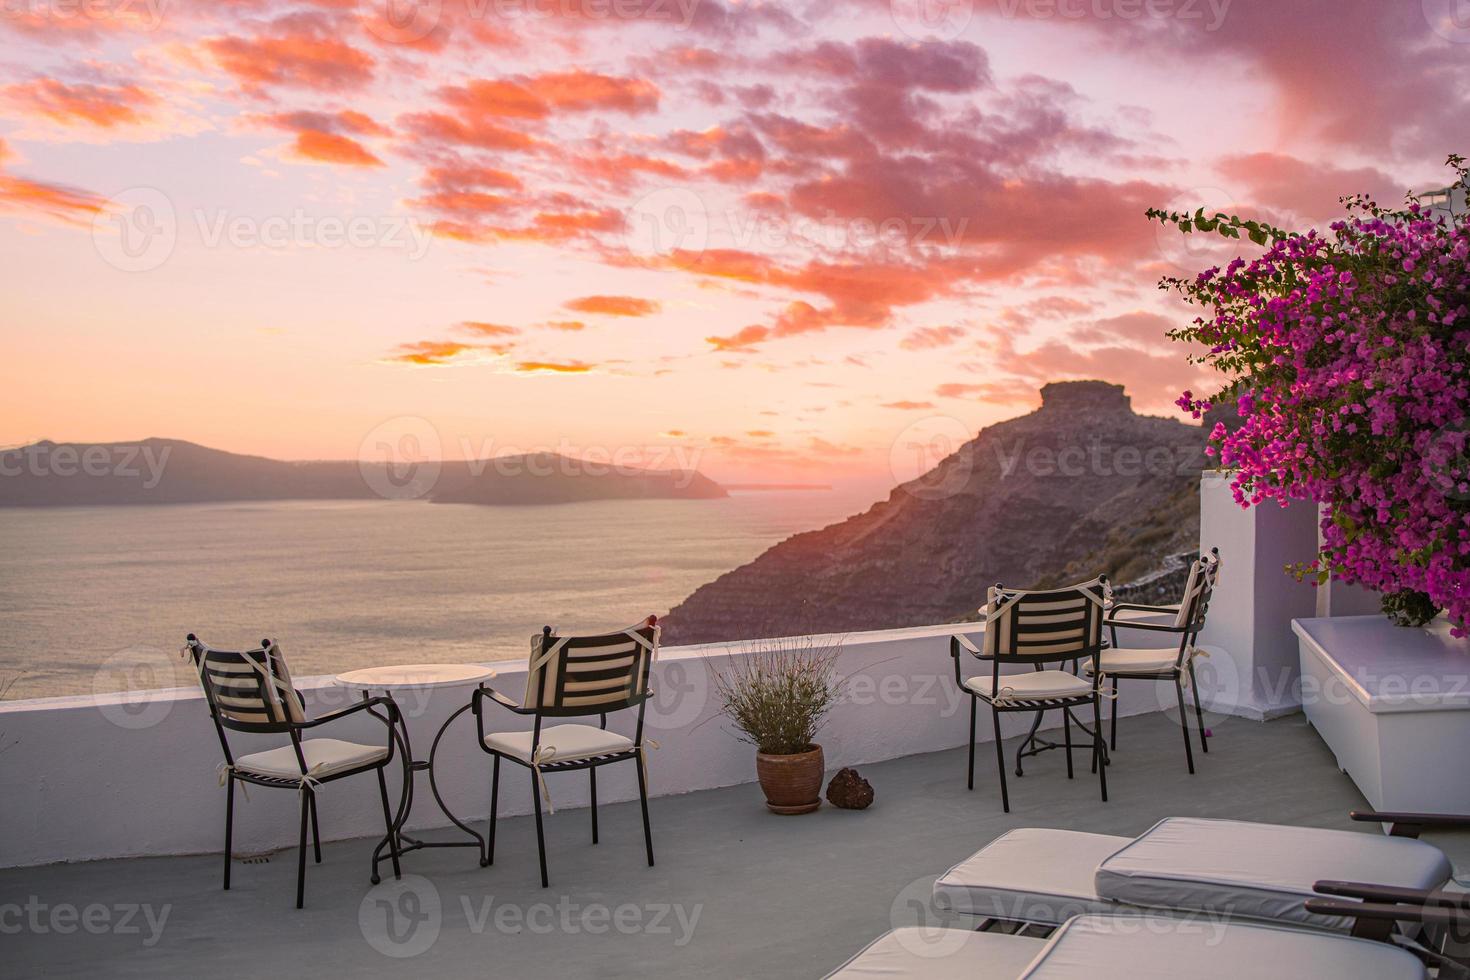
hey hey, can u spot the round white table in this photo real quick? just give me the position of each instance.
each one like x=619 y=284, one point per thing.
x=418 y=677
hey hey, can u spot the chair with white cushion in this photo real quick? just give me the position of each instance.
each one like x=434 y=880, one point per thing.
x=1033 y=630
x=1172 y=663
x=574 y=677
x=251 y=692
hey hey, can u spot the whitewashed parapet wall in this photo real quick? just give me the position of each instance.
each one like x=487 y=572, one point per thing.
x=1253 y=668
x=130 y=775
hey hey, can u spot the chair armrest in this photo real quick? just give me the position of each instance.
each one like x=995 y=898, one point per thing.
x=482 y=692
x=1439 y=915
x=1411 y=824
x=1152 y=627
x=1393 y=893
x=1140 y=607
x=380 y=700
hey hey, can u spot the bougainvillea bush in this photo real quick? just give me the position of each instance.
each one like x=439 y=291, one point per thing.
x=1348 y=357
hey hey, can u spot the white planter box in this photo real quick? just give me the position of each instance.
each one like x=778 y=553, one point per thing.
x=1393 y=704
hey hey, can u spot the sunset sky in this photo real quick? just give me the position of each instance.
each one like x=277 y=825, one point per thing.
x=775 y=235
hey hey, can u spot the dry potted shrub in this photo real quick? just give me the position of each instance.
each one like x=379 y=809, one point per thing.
x=777 y=693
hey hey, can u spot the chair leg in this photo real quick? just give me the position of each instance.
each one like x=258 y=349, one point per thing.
x=316 y=832
x=494 y=807
x=1113 y=735
x=540 y=834
x=1184 y=725
x=1000 y=759
x=388 y=822
x=592 y=777
x=301 y=849
x=1097 y=745
x=972 y=743
x=643 y=799
x=1199 y=713
x=1067 y=738
x=229 y=827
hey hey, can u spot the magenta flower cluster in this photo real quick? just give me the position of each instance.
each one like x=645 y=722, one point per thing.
x=1348 y=359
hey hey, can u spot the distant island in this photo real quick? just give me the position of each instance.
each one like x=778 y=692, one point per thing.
x=172 y=471
x=1080 y=486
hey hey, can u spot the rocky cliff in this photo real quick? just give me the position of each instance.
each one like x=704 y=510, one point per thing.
x=1082 y=485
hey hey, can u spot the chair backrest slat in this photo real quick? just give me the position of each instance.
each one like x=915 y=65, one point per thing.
x=250 y=688
x=1204 y=572
x=1056 y=624
x=590 y=674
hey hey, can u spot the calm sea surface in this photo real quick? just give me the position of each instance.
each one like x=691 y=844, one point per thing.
x=353 y=584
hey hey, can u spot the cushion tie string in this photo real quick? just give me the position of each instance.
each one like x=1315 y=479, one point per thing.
x=544 y=754
x=1195 y=653
x=225 y=770
x=648 y=743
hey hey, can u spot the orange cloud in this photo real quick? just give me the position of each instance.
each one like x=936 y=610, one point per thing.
x=907 y=406
x=62 y=203
x=321 y=137
x=554 y=367
x=927 y=338
x=568 y=325
x=614 y=305
x=488 y=329
x=306 y=52
x=431 y=352
x=102 y=106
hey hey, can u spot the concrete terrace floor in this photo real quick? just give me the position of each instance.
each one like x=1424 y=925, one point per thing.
x=737 y=892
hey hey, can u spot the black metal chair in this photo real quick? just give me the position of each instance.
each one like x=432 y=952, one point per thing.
x=251 y=692
x=1035 y=629
x=574 y=677
x=1168 y=663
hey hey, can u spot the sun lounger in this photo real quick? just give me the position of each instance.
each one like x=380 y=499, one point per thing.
x=1149 y=947
x=1219 y=867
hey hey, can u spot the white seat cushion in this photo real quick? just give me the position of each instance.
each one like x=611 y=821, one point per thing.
x=1033 y=684
x=1256 y=870
x=1097 y=947
x=1030 y=875
x=559 y=743
x=324 y=756
x=1125 y=660
x=942 y=954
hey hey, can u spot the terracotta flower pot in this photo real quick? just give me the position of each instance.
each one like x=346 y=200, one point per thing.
x=792 y=783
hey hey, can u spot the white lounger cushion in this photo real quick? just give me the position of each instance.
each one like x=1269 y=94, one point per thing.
x=324 y=756
x=1093 y=947
x=1259 y=871
x=943 y=954
x=1030 y=875
x=1038 y=684
x=1164 y=617
x=560 y=743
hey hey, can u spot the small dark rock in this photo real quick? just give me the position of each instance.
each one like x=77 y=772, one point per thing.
x=849 y=791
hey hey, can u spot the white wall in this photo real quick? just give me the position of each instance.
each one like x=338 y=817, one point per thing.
x=129 y=775
x=1253 y=665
